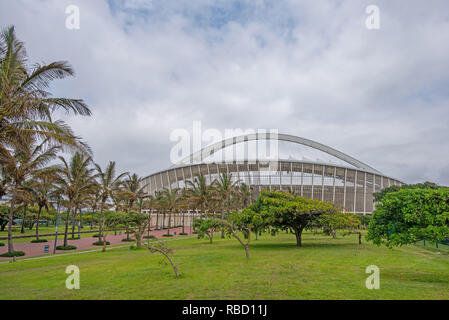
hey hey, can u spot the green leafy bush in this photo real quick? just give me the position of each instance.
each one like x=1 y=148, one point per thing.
x=14 y=254
x=66 y=248
x=149 y=237
x=39 y=241
x=168 y=235
x=183 y=234
x=2 y=244
x=100 y=243
x=128 y=240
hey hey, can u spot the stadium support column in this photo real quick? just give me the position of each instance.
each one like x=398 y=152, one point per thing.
x=333 y=192
x=364 y=196
x=291 y=177
x=169 y=183
x=344 y=189
x=184 y=177
x=322 y=184
x=355 y=191
x=208 y=174
x=313 y=180
x=302 y=179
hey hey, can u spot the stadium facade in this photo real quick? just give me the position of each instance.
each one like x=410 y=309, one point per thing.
x=346 y=182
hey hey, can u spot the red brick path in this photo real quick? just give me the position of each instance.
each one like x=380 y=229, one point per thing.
x=37 y=249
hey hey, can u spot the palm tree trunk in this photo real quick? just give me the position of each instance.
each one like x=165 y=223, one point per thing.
x=10 y=220
x=73 y=222
x=157 y=220
x=183 y=221
x=169 y=220
x=24 y=219
x=37 y=222
x=66 y=231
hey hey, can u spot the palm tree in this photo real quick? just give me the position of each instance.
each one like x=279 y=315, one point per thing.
x=172 y=202
x=198 y=193
x=133 y=189
x=42 y=187
x=25 y=105
x=26 y=159
x=225 y=189
x=109 y=184
x=245 y=195
x=74 y=178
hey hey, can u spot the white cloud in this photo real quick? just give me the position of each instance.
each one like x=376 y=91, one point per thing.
x=307 y=68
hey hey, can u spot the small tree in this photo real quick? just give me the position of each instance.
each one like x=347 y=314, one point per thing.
x=207 y=227
x=167 y=252
x=335 y=220
x=240 y=222
x=139 y=221
x=284 y=211
x=111 y=220
x=410 y=215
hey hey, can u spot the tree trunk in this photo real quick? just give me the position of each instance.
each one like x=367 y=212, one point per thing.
x=37 y=222
x=183 y=222
x=24 y=219
x=298 y=234
x=67 y=225
x=10 y=220
x=73 y=222
x=157 y=220
x=169 y=222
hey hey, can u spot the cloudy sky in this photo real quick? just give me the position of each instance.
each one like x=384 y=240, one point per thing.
x=307 y=68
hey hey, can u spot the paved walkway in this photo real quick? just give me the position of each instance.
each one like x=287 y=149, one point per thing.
x=37 y=249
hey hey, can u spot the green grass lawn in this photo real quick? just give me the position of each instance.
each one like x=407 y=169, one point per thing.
x=323 y=268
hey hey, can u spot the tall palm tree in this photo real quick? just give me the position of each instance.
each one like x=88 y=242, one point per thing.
x=109 y=184
x=42 y=186
x=74 y=178
x=199 y=193
x=172 y=202
x=225 y=189
x=27 y=158
x=245 y=194
x=25 y=104
x=133 y=189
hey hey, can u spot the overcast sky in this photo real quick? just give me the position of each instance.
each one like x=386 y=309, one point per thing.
x=307 y=68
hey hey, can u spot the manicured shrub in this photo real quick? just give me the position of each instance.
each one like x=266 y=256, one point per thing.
x=39 y=241
x=128 y=240
x=96 y=235
x=2 y=244
x=100 y=243
x=168 y=235
x=149 y=237
x=66 y=248
x=183 y=234
x=14 y=254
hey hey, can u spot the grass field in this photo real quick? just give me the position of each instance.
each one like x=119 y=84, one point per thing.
x=323 y=268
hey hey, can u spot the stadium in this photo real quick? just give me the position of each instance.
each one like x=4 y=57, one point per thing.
x=300 y=166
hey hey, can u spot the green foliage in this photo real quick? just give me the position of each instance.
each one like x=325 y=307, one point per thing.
x=410 y=215
x=2 y=244
x=13 y=254
x=39 y=241
x=378 y=196
x=128 y=240
x=207 y=227
x=283 y=211
x=100 y=243
x=65 y=248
